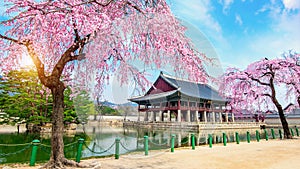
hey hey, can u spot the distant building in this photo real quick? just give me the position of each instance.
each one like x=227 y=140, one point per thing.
x=183 y=100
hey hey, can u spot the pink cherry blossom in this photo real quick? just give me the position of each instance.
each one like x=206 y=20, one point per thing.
x=255 y=88
x=75 y=41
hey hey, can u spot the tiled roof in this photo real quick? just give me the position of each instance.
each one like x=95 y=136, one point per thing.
x=153 y=96
x=192 y=89
x=188 y=88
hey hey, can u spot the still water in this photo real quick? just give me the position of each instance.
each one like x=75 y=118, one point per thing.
x=100 y=141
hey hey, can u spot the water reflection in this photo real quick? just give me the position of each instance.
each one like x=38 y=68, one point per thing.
x=132 y=139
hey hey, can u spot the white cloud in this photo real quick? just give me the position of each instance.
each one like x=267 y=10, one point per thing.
x=198 y=12
x=283 y=36
x=238 y=19
x=261 y=10
x=226 y=5
x=284 y=33
x=274 y=8
x=291 y=4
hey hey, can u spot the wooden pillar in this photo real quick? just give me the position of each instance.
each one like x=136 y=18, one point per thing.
x=205 y=117
x=188 y=116
x=160 y=112
x=139 y=113
x=226 y=117
x=161 y=116
x=221 y=119
x=213 y=117
x=188 y=113
x=139 y=116
x=153 y=116
x=196 y=116
x=146 y=116
x=232 y=116
x=168 y=115
x=179 y=116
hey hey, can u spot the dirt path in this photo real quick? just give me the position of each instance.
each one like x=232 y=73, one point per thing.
x=272 y=154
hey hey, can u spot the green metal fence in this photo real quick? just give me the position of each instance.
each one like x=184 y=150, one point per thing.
x=74 y=150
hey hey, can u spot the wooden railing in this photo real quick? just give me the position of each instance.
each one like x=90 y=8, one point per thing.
x=181 y=108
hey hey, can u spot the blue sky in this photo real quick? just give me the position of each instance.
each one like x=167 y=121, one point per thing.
x=244 y=31
x=236 y=32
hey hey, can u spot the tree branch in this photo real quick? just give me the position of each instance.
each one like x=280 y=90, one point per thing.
x=103 y=5
x=11 y=39
x=77 y=37
x=288 y=106
x=266 y=94
x=257 y=80
x=134 y=6
x=36 y=60
x=260 y=82
x=267 y=73
x=68 y=56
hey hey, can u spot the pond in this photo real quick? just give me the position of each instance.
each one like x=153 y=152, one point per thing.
x=100 y=141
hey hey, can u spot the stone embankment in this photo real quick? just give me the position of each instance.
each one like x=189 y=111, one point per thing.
x=193 y=125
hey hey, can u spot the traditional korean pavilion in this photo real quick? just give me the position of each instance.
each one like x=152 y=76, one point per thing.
x=173 y=99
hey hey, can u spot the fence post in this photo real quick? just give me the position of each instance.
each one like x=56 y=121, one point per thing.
x=248 y=136
x=224 y=139
x=117 y=150
x=297 y=131
x=266 y=134
x=257 y=135
x=193 y=142
x=146 y=145
x=273 y=134
x=94 y=145
x=280 y=134
x=172 y=142
x=80 y=143
x=292 y=132
x=237 y=138
x=210 y=140
x=35 y=144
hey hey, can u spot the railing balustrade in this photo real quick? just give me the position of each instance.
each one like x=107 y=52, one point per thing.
x=169 y=143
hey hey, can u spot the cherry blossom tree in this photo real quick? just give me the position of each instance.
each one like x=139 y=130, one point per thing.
x=256 y=88
x=61 y=36
x=291 y=77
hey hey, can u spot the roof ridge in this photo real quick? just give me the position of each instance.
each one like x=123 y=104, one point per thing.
x=156 y=93
x=181 y=79
x=168 y=81
x=153 y=95
x=165 y=76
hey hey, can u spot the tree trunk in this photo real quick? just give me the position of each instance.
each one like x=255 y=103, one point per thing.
x=57 y=158
x=284 y=124
x=298 y=100
x=57 y=143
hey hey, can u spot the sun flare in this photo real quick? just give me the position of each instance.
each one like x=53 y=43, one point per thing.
x=26 y=61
